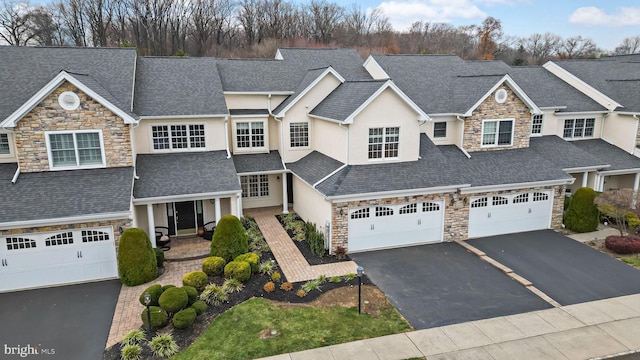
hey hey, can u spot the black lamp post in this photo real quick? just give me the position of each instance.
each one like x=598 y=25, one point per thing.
x=147 y=302
x=359 y=270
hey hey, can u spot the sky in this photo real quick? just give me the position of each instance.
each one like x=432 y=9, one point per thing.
x=607 y=22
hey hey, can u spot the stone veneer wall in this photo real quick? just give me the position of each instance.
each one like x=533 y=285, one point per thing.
x=116 y=224
x=456 y=217
x=49 y=116
x=513 y=107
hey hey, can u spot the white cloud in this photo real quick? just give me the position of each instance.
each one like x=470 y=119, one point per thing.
x=403 y=13
x=593 y=16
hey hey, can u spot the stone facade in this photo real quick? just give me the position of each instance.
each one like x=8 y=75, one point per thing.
x=513 y=107
x=48 y=115
x=116 y=224
x=456 y=216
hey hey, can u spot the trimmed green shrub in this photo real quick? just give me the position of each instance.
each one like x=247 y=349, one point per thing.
x=252 y=258
x=159 y=318
x=239 y=270
x=184 y=318
x=155 y=291
x=213 y=265
x=159 y=256
x=315 y=239
x=229 y=239
x=582 y=214
x=131 y=352
x=192 y=294
x=137 y=262
x=163 y=345
x=168 y=286
x=622 y=244
x=196 y=279
x=199 y=306
x=567 y=202
x=173 y=300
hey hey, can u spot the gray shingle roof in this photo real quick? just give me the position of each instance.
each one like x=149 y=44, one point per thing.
x=315 y=166
x=60 y=194
x=174 y=174
x=610 y=154
x=250 y=163
x=24 y=70
x=308 y=78
x=346 y=98
x=255 y=75
x=564 y=154
x=347 y=62
x=178 y=86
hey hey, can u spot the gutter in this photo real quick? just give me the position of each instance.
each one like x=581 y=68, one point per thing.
x=281 y=126
x=186 y=197
x=397 y=193
x=133 y=149
x=66 y=220
x=635 y=116
x=619 y=172
x=226 y=136
x=477 y=189
x=585 y=168
x=462 y=138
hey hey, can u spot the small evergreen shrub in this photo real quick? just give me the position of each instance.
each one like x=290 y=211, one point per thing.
x=315 y=239
x=622 y=244
x=286 y=286
x=232 y=285
x=134 y=337
x=184 y=318
x=214 y=295
x=163 y=345
x=269 y=287
x=230 y=239
x=159 y=256
x=168 y=286
x=137 y=262
x=252 y=258
x=239 y=270
x=159 y=318
x=276 y=276
x=199 y=306
x=131 y=352
x=173 y=300
x=155 y=291
x=196 y=279
x=192 y=294
x=213 y=265
x=582 y=214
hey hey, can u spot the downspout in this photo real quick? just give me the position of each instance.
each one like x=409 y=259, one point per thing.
x=133 y=149
x=602 y=124
x=226 y=136
x=462 y=138
x=281 y=126
x=347 y=147
x=637 y=128
x=15 y=176
x=15 y=151
x=422 y=122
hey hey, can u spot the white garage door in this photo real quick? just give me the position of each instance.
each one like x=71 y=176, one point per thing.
x=505 y=214
x=385 y=226
x=62 y=257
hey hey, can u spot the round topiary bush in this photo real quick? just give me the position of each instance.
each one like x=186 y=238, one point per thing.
x=582 y=214
x=230 y=239
x=159 y=318
x=173 y=300
x=252 y=258
x=239 y=270
x=622 y=244
x=184 y=318
x=199 y=306
x=168 y=286
x=213 y=265
x=196 y=279
x=192 y=293
x=137 y=262
x=155 y=291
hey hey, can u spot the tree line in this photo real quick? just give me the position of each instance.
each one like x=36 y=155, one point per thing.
x=255 y=28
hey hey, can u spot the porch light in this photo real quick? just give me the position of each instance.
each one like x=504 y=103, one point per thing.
x=359 y=271
x=147 y=303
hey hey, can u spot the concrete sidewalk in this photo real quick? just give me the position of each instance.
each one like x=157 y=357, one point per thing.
x=582 y=331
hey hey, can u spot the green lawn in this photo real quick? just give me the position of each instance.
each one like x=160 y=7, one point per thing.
x=234 y=334
x=632 y=260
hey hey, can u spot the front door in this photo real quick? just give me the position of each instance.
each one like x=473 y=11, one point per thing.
x=185 y=217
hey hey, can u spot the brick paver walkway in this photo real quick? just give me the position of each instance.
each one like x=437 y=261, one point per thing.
x=293 y=265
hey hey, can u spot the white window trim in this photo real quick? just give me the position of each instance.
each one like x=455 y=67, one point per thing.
x=11 y=146
x=384 y=134
x=170 y=149
x=573 y=129
x=513 y=130
x=541 y=125
x=267 y=183
x=446 y=130
x=308 y=136
x=59 y=168
x=249 y=149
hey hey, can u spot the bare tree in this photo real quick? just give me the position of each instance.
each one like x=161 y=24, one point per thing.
x=211 y=21
x=618 y=204
x=326 y=19
x=578 y=47
x=44 y=28
x=15 y=26
x=541 y=47
x=630 y=45
x=150 y=22
x=489 y=34
x=72 y=15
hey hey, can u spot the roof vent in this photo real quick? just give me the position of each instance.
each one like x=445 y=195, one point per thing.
x=69 y=100
x=501 y=96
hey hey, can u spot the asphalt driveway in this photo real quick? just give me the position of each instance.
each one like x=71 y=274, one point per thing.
x=563 y=268
x=442 y=284
x=70 y=321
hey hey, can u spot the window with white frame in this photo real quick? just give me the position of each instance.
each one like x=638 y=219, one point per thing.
x=299 y=134
x=5 y=149
x=384 y=142
x=75 y=149
x=440 y=129
x=497 y=132
x=254 y=186
x=177 y=137
x=536 y=125
x=578 y=128
x=250 y=134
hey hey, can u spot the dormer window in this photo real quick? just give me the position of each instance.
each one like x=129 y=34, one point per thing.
x=536 y=125
x=384 y=142
x=5 y=149
x=178 y=137
x=578 y=128
x=440 y=129
x=250 y=135
x=497 y=133
x=75 y=149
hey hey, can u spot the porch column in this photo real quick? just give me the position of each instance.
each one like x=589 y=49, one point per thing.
x=285 y=195
x=239 y=201
x=152 y=225
x=636 y=182
x=601 y=183
x=585 y=176
x=217 y=205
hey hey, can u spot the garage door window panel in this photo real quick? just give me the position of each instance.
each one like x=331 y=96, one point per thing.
x=430 y=206
x=65 y=238
x=383 y=211
x=94 y=236
x=540 y=196
x=522 y=198
x=17 y=243
x=409 y=209
x=360 y=214
x=499 y=200
x=482 y=202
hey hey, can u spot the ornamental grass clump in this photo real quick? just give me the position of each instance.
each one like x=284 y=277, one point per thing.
x=163 y=346
x=214 y=295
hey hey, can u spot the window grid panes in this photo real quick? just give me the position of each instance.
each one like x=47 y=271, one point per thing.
x=65 y=238
x=578 y=128
x=75 y=149
x=250 y=135
x=179 y=138
x=540 y=196
x=383 y=211
x=536 y=124
x=94 y=235
x=299 y=134
x=499 y=200
x=4 y=144
x=384 y=142
x=167 y=137
x=196 y=136
x=254 y=186
x=430 y=206
x=17 y=243
x=497 y=132
x=360 y=214
x=440 y=129
x=482 y=202
x=409 y=209
x=522 y=198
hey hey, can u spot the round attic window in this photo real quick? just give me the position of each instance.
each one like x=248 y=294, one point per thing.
x=69 y=100
x=501 y=96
